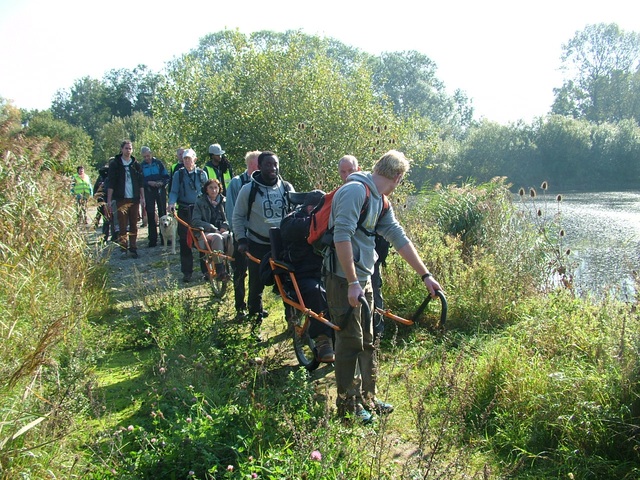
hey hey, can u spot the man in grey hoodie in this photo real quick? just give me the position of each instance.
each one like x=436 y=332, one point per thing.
x=348 y=268
x=260 y=205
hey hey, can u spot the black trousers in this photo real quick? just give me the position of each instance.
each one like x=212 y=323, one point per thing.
x=154 y=197
x=256 y=286
x=315 y=297
x=186 y=252
x=239 y=275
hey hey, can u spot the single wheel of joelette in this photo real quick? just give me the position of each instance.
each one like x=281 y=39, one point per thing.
x=303 y=344
x=218 y=287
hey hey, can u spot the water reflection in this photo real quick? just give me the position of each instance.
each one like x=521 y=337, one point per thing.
x=603 y=232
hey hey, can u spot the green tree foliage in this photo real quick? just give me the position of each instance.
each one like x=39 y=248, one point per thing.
x=278 y=92
x=91 y=104
x=76 y=141
x=602 y=63
x=409 y=81
x=129 y=91
x=83 y=105
x=491 y=150
x=568 y=152
x=138 y=128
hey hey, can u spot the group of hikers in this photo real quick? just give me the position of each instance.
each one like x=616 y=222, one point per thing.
x=237 y=213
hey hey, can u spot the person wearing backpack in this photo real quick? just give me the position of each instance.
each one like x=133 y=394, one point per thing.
x=347 y=269
x=261 y=204
x=186 y=187
x=100 y=194
x=219 y=167
x=127 y=189
x=239 y=259
x=156 y=178
x=346 y=166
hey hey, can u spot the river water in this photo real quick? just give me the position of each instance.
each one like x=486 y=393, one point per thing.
x=603 y=232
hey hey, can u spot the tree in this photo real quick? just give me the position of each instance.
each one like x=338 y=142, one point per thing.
x=129 y=91
x=84 y=105
x=408 y=80
x=138 y=128
x=73 y=141
x=602 y=63
x=282 y=92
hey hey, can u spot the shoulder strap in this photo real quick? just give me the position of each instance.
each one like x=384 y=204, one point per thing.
x=181 y=183
x=252 y=198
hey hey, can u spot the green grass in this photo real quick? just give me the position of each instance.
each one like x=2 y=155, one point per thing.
x=527 y=382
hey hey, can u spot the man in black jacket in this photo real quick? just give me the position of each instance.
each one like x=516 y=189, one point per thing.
x=125 y=186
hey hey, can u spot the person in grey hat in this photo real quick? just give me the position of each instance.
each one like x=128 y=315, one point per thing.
x=294 y=229
x=219 y=167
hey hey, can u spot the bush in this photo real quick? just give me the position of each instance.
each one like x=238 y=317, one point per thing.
x=50 y=284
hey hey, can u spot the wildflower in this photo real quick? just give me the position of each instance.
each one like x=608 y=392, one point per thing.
x=162 y=370
x=188 y=419
x=316 y=456
x=191 y=473
x=153 y=414
x=539 y=212
x=229 y=468
x=209 y=417
x=130 y=428
x=254 y=475
x=544 y=185
x=521 y=192
x=559 y=198
x=568 y=252
x=182 y=357
x=147 y=331
x=154 y=440
x=532 y=192
x=251 y=458
x=562 y=233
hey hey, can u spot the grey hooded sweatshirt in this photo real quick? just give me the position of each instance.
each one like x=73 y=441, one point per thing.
x=269 y=206
x=345 y=213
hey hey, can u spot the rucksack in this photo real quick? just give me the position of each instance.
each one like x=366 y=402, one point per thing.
x=320 y=235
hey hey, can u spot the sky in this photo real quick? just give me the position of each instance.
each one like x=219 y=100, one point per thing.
x=504 y=54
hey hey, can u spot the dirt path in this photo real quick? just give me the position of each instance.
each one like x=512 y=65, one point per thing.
x=156 y=269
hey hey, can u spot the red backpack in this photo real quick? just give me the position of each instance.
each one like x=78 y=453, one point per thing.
x=320 y=235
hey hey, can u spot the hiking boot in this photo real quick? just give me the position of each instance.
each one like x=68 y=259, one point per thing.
x=382 y=408
x=134 y=254
x=350 y=410
x=324 y=349
x=362 y=415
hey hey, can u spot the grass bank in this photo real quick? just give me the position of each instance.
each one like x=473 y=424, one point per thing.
x=103 y=377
